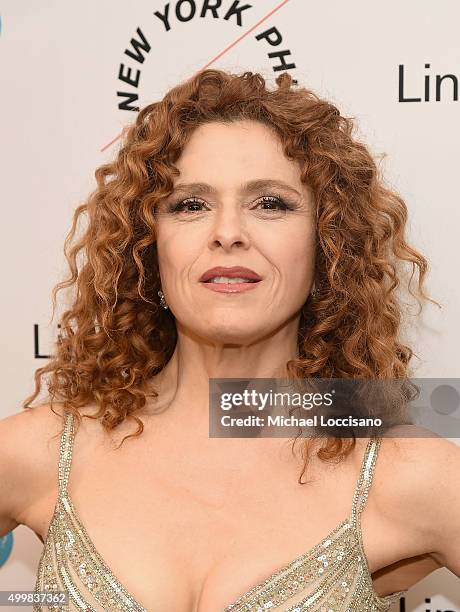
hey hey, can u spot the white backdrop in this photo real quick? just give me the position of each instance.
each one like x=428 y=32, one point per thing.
x=60 y=116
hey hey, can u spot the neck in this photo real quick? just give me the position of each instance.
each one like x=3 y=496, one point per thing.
x=184 y=381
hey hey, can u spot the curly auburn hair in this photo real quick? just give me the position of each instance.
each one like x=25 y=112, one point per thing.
x=115 y=336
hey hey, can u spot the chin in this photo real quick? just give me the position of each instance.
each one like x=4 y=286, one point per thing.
x=231 y=332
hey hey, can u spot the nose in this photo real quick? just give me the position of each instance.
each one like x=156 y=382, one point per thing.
x=229 y=229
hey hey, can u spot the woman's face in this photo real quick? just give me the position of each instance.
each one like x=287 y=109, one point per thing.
x=238 y=201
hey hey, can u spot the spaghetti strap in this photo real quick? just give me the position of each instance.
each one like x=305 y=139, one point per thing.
x=65 y=452
x=365 y=478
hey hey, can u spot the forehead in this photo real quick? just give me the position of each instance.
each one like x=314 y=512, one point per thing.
x=243 y=149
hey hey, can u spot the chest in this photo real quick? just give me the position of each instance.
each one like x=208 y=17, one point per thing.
x=192 y=531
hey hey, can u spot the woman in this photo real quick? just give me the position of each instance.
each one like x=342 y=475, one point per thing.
x=225 y=177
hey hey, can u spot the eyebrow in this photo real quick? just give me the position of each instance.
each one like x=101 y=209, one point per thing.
x=248 y=187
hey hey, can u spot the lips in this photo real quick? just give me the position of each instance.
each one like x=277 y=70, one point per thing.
x=232 y=272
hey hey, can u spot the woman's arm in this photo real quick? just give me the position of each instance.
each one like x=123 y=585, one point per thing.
x=11 y=472
x=419 y=492
x=28 y=463
x=443 y=503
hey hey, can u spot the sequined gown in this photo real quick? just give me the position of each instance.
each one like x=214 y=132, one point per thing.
x=333 y=576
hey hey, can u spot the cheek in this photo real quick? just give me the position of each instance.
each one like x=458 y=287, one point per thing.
x=292 y=252
x=177 y=248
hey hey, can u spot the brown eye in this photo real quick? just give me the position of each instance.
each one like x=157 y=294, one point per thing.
x=273 y=203
x=185 y=205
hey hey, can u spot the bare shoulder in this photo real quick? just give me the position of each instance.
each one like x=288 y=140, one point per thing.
x=28 y=429
x=417 y=468
x=29 y=448
x=417 y=485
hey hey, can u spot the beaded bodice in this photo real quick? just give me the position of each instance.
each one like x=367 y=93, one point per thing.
x=333 y=576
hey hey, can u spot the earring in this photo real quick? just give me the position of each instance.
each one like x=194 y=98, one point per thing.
x=313 y=292
x=162 y=299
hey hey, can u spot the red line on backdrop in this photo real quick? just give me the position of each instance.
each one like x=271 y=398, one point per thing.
x=219 y=55
x=245 y=34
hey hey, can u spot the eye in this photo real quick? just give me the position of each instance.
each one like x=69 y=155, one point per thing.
x=193 y=205
x=183 y=205
x=274 y=203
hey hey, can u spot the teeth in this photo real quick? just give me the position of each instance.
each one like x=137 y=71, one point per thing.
x=225 y=279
